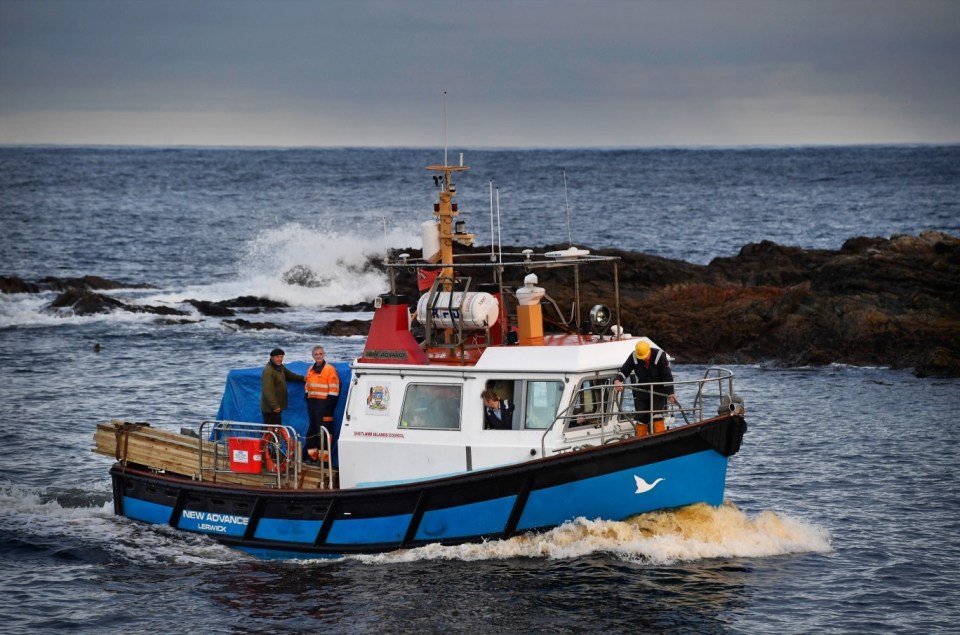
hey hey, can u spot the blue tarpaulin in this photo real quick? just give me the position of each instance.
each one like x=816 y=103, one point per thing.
x=241 y=399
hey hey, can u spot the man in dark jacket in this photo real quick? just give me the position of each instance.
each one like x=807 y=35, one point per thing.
x=273 y=388
x=497 y=412
x=650 y=366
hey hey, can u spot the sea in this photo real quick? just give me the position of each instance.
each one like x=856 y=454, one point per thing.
x=841 y=512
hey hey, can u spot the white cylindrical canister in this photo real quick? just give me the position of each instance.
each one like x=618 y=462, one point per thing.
x=430 y=239
x=448 y=310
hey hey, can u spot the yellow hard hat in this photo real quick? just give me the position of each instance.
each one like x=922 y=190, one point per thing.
x=642 y=349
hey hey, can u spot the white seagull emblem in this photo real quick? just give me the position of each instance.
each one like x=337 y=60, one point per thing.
x=643 y=486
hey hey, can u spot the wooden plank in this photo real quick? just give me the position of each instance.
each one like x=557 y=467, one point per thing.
x=180 y=454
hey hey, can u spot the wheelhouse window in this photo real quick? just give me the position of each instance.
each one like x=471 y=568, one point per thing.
x=535 y=404
x=541 y=404
x=507 y=416
x=431 y=406
x=594 y=399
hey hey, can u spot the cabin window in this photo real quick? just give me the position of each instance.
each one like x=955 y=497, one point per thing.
x=541 y=404
x=431 y=406
x=595 y=397
x=507 y=391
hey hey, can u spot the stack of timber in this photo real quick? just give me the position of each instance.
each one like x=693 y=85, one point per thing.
x=180 y=454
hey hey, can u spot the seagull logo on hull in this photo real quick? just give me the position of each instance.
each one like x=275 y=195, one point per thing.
x=643 y=486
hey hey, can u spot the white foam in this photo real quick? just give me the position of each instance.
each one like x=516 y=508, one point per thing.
x=337 y=261
x=693 y=533
x=338 y=264
x=38 y=521
x=28 y=310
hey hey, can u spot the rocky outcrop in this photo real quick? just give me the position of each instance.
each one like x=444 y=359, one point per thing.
x=253 y=304
x=345 y=328
x=211 y=309
x=887 y=302
x=82 y=302
x=246 y=325
x=880 y=302
x=15 y=284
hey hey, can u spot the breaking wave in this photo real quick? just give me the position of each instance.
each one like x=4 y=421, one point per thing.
x=302 y=267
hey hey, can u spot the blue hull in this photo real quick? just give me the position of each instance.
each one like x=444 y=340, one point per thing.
x=610 y=482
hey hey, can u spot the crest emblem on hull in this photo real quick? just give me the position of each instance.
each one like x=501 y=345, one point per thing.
x=379 y=398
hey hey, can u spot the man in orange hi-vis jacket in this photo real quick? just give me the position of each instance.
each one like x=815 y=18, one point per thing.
x=323 y=392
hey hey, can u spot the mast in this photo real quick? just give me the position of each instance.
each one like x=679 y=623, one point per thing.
x=445 y=211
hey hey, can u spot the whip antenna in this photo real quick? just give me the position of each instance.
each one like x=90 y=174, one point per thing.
x=386 y=257
x=566 y=203
x=493 y=242
x=499 y=243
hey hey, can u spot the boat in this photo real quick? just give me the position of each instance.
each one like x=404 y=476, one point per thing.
x=411 y=462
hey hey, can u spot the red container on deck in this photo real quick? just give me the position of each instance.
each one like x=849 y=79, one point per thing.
x=246 y=455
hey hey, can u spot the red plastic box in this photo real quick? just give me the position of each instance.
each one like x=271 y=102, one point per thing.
x=246 y=455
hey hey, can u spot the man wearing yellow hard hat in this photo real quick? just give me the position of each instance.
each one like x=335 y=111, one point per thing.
x=651 y=368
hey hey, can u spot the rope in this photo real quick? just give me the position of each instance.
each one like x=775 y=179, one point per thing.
x=123 y=436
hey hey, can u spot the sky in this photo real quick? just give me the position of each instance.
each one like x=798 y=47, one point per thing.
x=479 y=73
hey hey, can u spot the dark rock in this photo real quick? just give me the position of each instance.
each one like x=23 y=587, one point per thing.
x=301 y=276
x=875 y=301
x=889 y=302
x=50 y=283
x=359 y=306
x=939 y=361
x=157 y=310
x=211 y=309
x=252 y=302
x=85 y=303
x=246 y=325
x=15 y=284
x=345 y=328
x=767 y=263
x=78 y=302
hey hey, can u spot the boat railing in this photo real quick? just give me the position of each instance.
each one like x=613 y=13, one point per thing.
x=507 y=271
x=598 y=413
x=325 y=459
x=279 y=447
x=729 y=401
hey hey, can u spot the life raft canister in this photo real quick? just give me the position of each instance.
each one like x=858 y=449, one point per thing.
x=474 y=310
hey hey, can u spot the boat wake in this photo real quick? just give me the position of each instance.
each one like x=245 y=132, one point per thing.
x=689 y=534
x=80 y=525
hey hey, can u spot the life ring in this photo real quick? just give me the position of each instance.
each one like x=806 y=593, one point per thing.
x=277 y=448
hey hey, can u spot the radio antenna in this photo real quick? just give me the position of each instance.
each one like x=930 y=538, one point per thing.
x=493 y=242
x=386 y=257
x=566 y=200
x=499 y=241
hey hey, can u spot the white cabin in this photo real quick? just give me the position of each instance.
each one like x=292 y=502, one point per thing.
x=406 y=423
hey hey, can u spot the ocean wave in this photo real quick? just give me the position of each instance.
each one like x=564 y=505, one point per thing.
x=333 y=270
